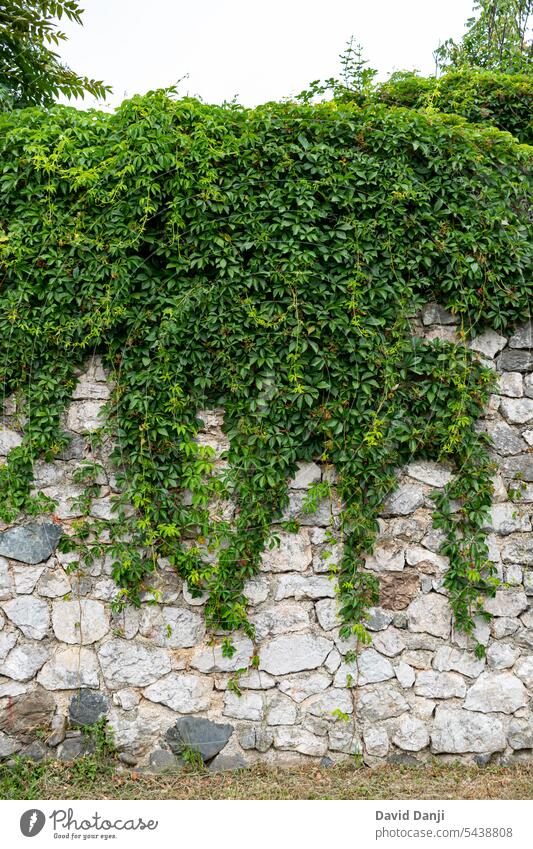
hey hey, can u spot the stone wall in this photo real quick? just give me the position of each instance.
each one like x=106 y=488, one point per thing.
x=419 y=691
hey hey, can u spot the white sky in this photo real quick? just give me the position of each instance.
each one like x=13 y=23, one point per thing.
x=257 y=51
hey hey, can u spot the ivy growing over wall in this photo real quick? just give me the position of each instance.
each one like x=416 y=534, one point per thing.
x=482 y=97
x=270 y=261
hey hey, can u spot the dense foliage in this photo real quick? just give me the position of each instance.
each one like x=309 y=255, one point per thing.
x=31 y=73
x=482 y=97
x=269 y=260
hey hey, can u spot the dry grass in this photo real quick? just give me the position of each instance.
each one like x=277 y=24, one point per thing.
x=61 y=781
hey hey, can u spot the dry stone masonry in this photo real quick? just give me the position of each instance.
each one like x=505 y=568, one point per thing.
x=418 y=691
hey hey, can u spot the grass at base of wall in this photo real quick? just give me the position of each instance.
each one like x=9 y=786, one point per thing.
x=86 y=779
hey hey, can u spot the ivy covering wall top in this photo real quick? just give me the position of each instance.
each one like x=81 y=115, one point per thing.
x=485 y=97
x=269 y=260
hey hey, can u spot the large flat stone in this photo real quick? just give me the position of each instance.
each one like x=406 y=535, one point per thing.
x=293 y=554
x=211 y=659
x=327 y=613
x=500 y=692
x=411 y=734
x=24 y=661
x=450 y=659
x=30 y=614
x=26 y=577
x=430 y=614
x=85 y=416
x=505 y=438
x=378 y=703
x=488 y=343
x=135 y=731
x=87 y=388
x=298 y=739
x=131 y=664
x=281 y=618
x=511 y=384
x=440 y=685
x=281 y=709
x=172 y=627
x=304 y=684
x=306 y=476
x=181 y=692
x=513 y=360
x=7 y=641
x=428 y=472
x=519 y=467
x=433 y=313
x=369 y=668
x=517 y=410
x=501 y=655
x=518 y=550
x=295 y=510
x=376 y=741
x=457 y=731
x=30 y=543
x=508 y=519
x=294 y=585
x=406 y=499
x=81 y=621
x=294 y=653
x=509 y=602
x=9 y=439
x=328 y=702
x=388 y=556
x=202 y=735
x=248 y=705
x=69 y=669
x=524 y=670
x=520 y=733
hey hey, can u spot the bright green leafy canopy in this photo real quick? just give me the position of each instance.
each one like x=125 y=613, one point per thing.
x=271 y=261
x=31 y=73
x=497 y=38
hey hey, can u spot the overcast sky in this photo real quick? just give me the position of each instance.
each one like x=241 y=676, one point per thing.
x=256 y=51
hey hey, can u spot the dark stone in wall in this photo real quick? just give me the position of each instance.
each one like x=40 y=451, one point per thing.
x=523 y=338
x=223 y=763
x=86 y=707
x=23 y=714
x=30 y=543
x=204 y=736
x=515 y=360
x=36 y=751
x=75 y=747
x=162 y=761
x=520 y=464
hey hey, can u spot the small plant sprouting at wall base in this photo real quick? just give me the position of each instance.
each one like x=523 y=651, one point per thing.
x=193 y=759
x=269 y=260
x=101 y=733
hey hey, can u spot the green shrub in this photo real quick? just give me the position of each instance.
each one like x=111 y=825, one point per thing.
x=482 y=97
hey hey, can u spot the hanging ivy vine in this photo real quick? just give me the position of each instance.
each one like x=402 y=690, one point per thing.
x=270 y=261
